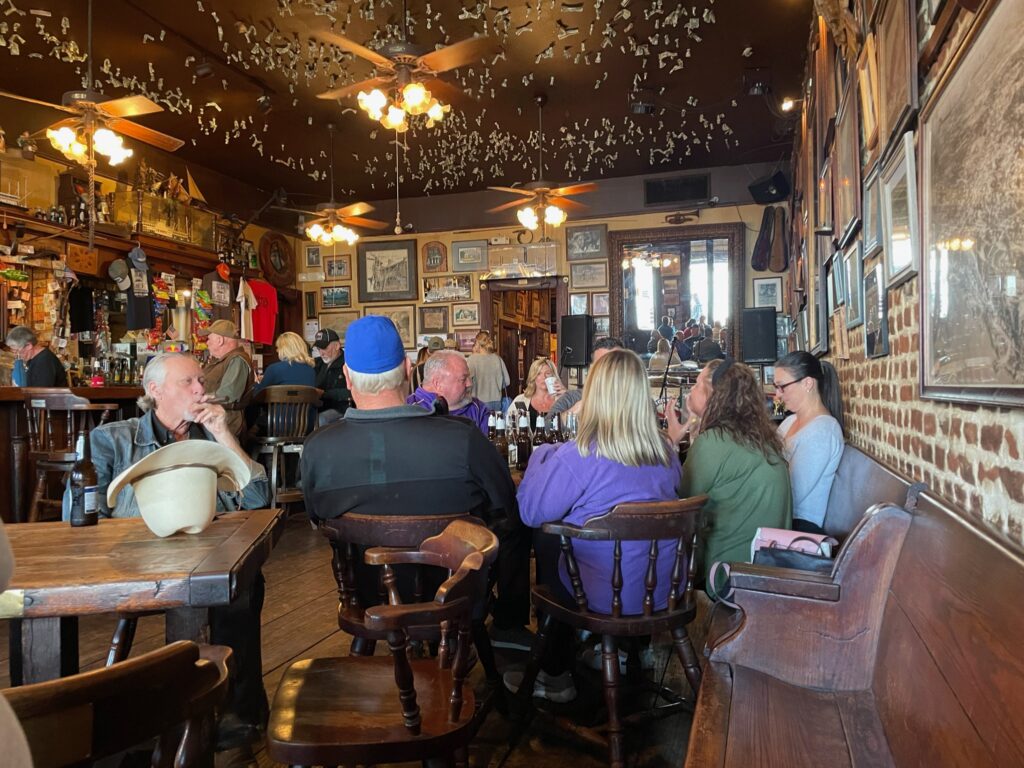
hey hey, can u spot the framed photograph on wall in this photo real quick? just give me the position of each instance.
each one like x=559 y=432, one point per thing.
x=897 y=68
x=310 y=300
x=448 y=288
x=387 y=271
x=599 y=303
x=339 y=267
x=433 y=320
x=435 y=257
x=847 y=168
x=589 y=275
x=602 y=327
x=899 y=213
x=466 y=339
x=578 y=303
x=338 y=321
x=508 y=302
x=335 y=296
x=876 y=312
x=872 y=213
x=586 y=243
x=312 y=255
x=404 y=319
x=867 y=87
x=853 y=269
x=469 y=256
x=768 y=292
x=466 y=314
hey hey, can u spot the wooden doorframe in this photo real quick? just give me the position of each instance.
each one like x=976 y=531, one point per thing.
x=560 y=284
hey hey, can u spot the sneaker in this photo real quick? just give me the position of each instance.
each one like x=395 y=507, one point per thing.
x=558 y=689
x=591 y=657
x=512 y=638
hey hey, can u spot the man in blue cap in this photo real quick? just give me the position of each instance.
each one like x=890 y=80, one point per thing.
x=385 y=457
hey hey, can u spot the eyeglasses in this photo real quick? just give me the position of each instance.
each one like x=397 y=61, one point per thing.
x=782 y=387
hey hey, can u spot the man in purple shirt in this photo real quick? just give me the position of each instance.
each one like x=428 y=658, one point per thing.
x=446 y=374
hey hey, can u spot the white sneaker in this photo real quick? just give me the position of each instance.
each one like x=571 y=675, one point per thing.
x=558 y=689
x=591 y=657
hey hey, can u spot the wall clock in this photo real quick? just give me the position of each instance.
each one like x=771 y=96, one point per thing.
x=277 y=260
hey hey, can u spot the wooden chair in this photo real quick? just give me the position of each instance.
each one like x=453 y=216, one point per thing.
x=650 y=522
x=291 y=416
x=345 y=711
x=351 y=532
x=54 y=417
x=76 y=720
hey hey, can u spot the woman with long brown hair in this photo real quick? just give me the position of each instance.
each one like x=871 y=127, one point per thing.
x=735 y=457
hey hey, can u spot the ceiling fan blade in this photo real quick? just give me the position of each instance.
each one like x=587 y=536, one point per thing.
x=506 y=206
x=565 y=202
x=129 y=106
x=574 y=189
x=348 y=90
x=514 y=191
x=146 y=135
x=356 y=49
x=359 y=221
x=62 y=108
x=444 y=91
x=356 y=209
x=458 y=54
x=301 y=211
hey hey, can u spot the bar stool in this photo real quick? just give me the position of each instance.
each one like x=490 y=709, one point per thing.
x=291 y=416
x=54 y=417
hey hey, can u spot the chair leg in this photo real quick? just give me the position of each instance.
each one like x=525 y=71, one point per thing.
x=361 y=646
x=37 y=496
x=273 y=476
x=688 y=657
x=484 y=651
x=121 y=642
x=540 y=642
x=610 y=675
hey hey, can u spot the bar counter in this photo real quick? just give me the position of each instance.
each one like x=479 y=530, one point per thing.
x=16 y=476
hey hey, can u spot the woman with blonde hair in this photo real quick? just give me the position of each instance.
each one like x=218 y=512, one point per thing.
x=537 y=398
x=618 y=456
x=293 y=366
x=490 y=375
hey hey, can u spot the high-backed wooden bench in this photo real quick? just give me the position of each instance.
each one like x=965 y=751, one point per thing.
x=860 y=482
x=908 y=654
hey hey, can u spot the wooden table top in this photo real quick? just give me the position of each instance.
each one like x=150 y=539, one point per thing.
x=120 y=565
x=96 y=394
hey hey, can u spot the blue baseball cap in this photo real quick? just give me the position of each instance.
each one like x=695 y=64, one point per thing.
x=372 y=345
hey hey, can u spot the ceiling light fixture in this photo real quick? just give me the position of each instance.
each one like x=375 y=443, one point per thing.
x=331 y=230
x=553 y=215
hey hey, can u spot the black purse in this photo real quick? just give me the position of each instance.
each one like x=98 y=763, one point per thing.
x=794 y=558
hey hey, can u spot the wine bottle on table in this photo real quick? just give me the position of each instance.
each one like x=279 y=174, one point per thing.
x=501 y=440
x=523 y=447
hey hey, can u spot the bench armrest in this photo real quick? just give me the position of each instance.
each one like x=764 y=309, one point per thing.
x=783 y=581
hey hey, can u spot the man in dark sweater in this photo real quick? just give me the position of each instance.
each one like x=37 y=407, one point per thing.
x=42 y=367
x=330 y=376
x=388 y=458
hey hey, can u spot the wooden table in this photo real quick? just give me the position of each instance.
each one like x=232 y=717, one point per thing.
x=62 y=573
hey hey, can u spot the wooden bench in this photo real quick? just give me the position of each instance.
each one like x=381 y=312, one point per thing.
x=860 y=483
x=906 y=655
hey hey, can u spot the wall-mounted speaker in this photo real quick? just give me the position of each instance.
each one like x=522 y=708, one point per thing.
x=757 y=342
x=575 y=339
x=770 y=189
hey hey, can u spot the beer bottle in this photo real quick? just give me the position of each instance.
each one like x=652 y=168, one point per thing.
x=84 y=496
x=501 y=441
x=554 y=436
x=523 y=447
x=491 y=422
x=539 y=437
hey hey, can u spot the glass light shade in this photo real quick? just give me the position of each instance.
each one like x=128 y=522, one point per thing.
x=326 y=239
x=554 y=216
x=118 y=155
x=78 y=149
x=106 y=141
x=315 y=231
x=436 y=112
x=415 y=98
x=394 y=119
x=375 y=100
x=61 y=139
x=528 y=217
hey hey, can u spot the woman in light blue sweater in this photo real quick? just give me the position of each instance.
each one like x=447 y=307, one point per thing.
x=812 y=435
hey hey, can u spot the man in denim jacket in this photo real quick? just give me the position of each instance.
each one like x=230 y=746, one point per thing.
x=174 y=408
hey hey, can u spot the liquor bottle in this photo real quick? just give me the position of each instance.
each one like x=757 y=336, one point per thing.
x=501 y=441
x=523 y=448
x=539 y=437
x=491 y=423
x=84 y=496
x=554 y=435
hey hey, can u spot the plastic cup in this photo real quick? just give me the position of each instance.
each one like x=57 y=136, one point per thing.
x=549 y=382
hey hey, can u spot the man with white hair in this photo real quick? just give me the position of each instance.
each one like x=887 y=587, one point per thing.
x=446 y=374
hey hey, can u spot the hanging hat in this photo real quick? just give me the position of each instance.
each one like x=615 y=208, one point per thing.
x=138 y=257
x=224 y=271
x=118 y=272
x=176 y=486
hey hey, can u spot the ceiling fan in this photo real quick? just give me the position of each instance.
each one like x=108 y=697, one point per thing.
x=333 y=223
x=540 y=195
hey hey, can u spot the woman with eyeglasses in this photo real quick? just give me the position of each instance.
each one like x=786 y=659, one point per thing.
x=735 y=457
x=812 y=435
x=542 y=388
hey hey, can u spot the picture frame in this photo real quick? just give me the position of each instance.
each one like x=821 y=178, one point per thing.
x=819 y=330
x=871 y=226
x=469 y=256
x=508 y=303
x=387 y=271
x=338 y=321
x=466 y=315
x=309 y=299
x=335 y=296
x=897 y=67
x=338 y=267
x=312 y=255
x=534 y=313
x=867 y=88
x=602 y=327
x=466 y=340
x=876 y=312
x=586 y=243
x=847 y=180
x=447 y=288
x=838 y=281
x=901 y=240
x=435 y=257
x=823 y=209
x=971 y=276
x=578 y=303
x=588 y=275
x=768 y=292
x=599 y=303
x=853 y=269
x=404 y=318
x=521 y=303
x=433 y=319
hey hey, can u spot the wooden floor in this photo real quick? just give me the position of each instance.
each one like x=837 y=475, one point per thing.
x=299 y=621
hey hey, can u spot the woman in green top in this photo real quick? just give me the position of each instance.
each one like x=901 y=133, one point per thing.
x=736 y=458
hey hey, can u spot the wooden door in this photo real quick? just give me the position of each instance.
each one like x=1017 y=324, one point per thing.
x=508 y=348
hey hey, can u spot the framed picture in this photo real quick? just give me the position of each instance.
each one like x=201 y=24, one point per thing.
x=469 y=256
x=899 y=213
x=587 y=242
x=897 y=67
x=387 y=271
x=335 y=296
x=435 y=257
x=339 y=267
x=338 y=321
x=670 y=284
x=847 y=168
x=466 y=314
x=768 y=375
x=876 y=312
x=823 y=210
x=402 y=317
x=867 y=87
x=602 y=326
x=853 y=274
x=830 y=281
x=508 y=302
x=599 y=303
x=312 y=255
x=839 y=282
x=448 y=288
x=466 y=339
x=973 y=267
x=872 y=225
x=433 y=320
x=578 y=303
x=819 y=330
x=534 y=313
x=521 y=303
x=545 y=309
x=310 y=299
x=768 y=292
x=589 y=275
x=672 y=269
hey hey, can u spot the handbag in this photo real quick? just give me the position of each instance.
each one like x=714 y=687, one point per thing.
x=506 y=401
x=780 y=548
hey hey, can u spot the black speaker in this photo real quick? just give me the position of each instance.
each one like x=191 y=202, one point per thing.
x=575 y=340
x=770 y=189
x=757 y=342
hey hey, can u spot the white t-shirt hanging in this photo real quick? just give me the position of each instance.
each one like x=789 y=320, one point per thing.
x=246 y=303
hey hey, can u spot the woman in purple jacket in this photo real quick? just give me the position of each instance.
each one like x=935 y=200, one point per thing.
x=618 y=456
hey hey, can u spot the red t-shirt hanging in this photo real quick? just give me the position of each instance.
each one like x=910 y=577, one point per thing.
x=264 y=315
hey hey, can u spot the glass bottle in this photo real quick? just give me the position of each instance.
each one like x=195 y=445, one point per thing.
x=539 y=438
x=491 y=424
x=84 y=495
x=523 y=448
x=501 y=440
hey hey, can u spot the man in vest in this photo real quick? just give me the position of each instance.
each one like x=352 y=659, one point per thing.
x=229 y=376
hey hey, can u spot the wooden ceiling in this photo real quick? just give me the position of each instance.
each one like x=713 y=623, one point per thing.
x=590 y=57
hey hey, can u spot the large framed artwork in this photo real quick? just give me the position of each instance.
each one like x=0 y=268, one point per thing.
x=973 y=228
x=387 y=271
x=469 y=256
x=587 y=242
x=402 y=316
x=847 y=168
x=899 y=213
x=876 y=312
x=897 y=67
x=447 y=288
x=853 y=272
x=338 y=321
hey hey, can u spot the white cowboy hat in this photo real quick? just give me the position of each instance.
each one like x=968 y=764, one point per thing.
x=176 y=486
